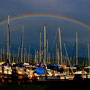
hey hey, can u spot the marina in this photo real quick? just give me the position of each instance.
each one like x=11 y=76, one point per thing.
x=44 y=44
x=41 y=70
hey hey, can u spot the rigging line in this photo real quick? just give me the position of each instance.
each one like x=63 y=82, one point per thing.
x=63 y=41
x=73 y=52
x=54 y=40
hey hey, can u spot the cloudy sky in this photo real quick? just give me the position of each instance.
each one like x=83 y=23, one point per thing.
x=75 y=9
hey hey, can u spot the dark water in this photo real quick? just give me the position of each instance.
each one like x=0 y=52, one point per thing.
x=75 y=84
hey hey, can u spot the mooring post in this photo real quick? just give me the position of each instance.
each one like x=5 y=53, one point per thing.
x=3 y=74
x=23 y=70
x=68 y=71
x=45 y=74
x=72 y=71
x=2 y=70
x=83 y=73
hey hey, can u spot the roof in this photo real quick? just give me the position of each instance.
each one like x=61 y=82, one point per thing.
x=55 y=65
x=40 y=71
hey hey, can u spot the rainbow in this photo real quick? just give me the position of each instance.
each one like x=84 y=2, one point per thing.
x=47 y=15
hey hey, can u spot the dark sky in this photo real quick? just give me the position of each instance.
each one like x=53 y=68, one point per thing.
x=76 y=9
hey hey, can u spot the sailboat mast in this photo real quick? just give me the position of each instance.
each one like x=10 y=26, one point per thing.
x=47 y=51
x=18 y=54
x=24 y=55
x=1 y=54
x=10 y=53
x=76 y=48
x=49 y=57
x=29 y=55
x=58 y=56
x=13 y=56
x=8 y=40
x=56 y=53
x=40 y=47
x=22 y=43
x=44 y=44
x=35 y=56
x=60 y=44
x=66 y=54
x=88 y=55
x=53 y=58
